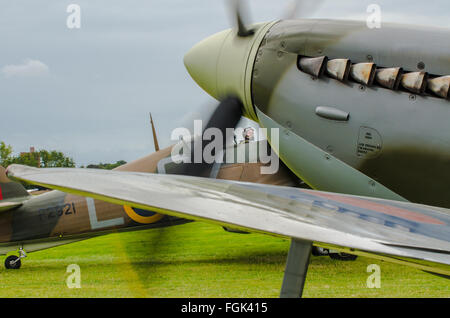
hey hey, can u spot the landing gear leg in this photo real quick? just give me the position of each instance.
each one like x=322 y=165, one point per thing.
x=296 y=269
x=13 y=261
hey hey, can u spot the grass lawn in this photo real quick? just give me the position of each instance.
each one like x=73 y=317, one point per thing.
x=200 y=260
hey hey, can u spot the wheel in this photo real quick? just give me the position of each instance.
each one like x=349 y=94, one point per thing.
x=9 y=262
x=315 y=251
x=343 y=256
x=318 y=251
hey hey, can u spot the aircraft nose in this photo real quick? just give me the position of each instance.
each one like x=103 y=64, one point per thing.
x=202 y=60
x=222 y=63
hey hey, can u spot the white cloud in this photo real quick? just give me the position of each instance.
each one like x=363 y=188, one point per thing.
x=29 y=68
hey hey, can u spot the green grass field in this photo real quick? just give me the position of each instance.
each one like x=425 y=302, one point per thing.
x=200 y=260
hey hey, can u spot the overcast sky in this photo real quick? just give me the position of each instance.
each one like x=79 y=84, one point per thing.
x=87 y=92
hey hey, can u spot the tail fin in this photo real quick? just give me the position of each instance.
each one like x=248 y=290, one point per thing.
x=10 y=189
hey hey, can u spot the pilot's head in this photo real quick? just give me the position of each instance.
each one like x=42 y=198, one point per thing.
x=248 y=134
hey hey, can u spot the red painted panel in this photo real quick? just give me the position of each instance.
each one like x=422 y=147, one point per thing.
x=380 y=207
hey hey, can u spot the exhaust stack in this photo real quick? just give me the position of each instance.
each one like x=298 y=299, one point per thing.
x=415 y=82
x=314 y=66
x=363 y=73
x=389 y=77
x=440 y=86
x=338 y=69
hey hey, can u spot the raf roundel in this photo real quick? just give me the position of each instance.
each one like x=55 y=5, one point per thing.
x=142 y=216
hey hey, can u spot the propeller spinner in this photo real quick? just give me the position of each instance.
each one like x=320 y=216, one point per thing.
x=222 y=63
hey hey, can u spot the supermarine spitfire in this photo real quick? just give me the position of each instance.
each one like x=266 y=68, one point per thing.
x=362 y=116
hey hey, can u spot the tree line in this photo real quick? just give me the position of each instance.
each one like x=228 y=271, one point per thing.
x=41 y=158
x=46 y=159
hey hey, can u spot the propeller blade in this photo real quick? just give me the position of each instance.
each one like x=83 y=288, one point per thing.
x=226 y=115
x=301 y=9
x=238 y=11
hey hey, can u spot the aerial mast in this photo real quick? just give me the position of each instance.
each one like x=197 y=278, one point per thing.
x=155 y=139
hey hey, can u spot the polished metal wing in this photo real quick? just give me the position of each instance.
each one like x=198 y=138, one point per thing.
x=400 y=232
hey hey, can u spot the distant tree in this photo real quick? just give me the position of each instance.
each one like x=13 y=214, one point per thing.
x=52 y=159
x=5 y=154
x=107 y=166
x=42 y=158
x=27 y=159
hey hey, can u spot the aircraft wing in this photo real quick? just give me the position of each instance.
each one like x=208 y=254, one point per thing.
x=6 y=206
x=400 y=232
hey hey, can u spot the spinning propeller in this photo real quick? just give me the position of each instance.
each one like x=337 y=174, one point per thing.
x=216 y=64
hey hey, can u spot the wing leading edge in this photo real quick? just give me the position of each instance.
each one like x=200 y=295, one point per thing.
x=400 y=232
x=6 y=206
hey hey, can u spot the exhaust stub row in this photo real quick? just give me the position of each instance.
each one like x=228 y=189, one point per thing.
x=368 y=74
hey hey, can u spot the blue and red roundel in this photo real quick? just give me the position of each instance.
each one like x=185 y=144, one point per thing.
x=142 y=216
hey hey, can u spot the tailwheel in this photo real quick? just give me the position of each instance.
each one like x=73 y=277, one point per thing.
x=343 y=256
x=14 y=261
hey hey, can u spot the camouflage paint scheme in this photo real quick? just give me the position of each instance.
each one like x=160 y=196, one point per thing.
x=411 y=132
x=56 y=218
